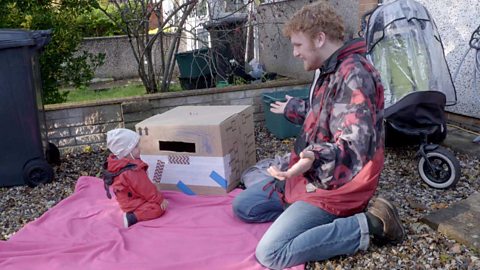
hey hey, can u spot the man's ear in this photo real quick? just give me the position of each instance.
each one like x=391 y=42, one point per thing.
x=319 y=40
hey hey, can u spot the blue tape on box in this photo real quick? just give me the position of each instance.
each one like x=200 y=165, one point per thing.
x=219 y=179
x=184 y=188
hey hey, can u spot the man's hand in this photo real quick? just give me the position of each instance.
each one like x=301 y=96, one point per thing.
x=303 y=165
x=279 y=107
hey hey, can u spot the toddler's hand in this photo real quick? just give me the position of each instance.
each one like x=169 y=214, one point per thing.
x=164 y=204
x=304 y=164
x=276 y=173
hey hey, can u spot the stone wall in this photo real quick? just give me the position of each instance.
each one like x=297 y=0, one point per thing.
x=120 y=63
x=75 y=126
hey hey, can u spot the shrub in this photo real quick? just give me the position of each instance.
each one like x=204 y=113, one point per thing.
x=96 y=24
x=58 y=62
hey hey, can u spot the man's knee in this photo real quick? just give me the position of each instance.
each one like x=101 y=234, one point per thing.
x=268 y=256
x=240 y=209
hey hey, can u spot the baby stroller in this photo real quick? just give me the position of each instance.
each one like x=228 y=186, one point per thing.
x=404 y=46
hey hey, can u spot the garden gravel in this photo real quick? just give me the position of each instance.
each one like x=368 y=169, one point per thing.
x=424 y=248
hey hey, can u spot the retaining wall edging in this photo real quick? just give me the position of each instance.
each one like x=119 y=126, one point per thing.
x=75 y=126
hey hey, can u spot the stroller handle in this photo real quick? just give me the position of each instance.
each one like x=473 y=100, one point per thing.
x=475 y=39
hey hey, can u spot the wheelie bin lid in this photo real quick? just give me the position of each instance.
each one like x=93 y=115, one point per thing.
x=12 y=38
x=225 y=21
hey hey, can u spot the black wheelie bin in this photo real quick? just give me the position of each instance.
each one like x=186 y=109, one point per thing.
x=22 y=119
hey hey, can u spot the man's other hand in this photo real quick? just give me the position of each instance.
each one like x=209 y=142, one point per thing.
x=279 y=107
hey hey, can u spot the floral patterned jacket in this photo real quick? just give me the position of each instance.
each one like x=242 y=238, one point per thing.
x=342 y=121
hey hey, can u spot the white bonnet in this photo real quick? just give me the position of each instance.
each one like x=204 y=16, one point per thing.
x=122 y=141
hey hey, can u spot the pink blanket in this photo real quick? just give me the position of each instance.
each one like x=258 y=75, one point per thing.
x=85 y=231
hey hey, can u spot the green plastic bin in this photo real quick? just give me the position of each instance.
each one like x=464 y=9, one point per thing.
x=277 y=124
x=195 y=64
x=197 y=82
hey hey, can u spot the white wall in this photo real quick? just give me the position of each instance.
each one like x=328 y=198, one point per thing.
x=276 y=50
x=456 y=21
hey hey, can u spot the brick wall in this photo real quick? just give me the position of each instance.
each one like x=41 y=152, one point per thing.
x=467 y=122
x=366 y=5
x=72 y=127
x=363 y=7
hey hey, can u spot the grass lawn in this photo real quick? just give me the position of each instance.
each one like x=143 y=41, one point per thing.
x=87 y=94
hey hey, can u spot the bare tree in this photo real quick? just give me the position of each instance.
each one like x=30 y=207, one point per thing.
x=227 y=46
x=135 y=19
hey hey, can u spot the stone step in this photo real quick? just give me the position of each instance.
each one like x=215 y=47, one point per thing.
x=460 y=221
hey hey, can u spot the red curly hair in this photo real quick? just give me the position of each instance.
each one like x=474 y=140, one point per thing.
x=315 y=18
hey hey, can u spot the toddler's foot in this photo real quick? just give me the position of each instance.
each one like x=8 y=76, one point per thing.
x=129 y=219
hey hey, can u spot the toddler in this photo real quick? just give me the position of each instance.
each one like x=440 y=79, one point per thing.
x=136 y=195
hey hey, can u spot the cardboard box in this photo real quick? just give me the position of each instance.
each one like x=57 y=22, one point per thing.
x=198 y=149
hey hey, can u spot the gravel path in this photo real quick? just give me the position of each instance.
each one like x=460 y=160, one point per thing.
x=423 y=248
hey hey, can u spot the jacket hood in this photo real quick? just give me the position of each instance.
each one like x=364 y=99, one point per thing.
x=115 y=164
x=354 y=46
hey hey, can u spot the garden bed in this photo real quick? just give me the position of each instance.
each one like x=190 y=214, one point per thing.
x=424 y=248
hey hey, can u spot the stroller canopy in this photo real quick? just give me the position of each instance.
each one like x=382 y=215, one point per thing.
x=404 y=45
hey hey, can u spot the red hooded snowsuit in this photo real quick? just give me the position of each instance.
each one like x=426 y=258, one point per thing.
x=134 y=190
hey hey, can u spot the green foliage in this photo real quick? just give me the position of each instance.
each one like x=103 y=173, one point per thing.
x=239 y=80
x=58 y=61
x=79 y=70
x=96 y=24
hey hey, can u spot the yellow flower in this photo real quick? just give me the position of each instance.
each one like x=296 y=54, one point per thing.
x=28 y=22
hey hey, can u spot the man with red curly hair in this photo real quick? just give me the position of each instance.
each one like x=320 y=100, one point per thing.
x=318 y=204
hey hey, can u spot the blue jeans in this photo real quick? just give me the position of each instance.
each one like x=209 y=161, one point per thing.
x=301 y=232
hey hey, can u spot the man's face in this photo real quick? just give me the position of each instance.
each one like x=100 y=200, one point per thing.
x=306 y=49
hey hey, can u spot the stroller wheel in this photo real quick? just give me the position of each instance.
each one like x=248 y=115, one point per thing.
x=444 y=171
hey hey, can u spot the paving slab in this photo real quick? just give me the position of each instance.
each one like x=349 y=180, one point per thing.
x=460 y=221
x=462 y=141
